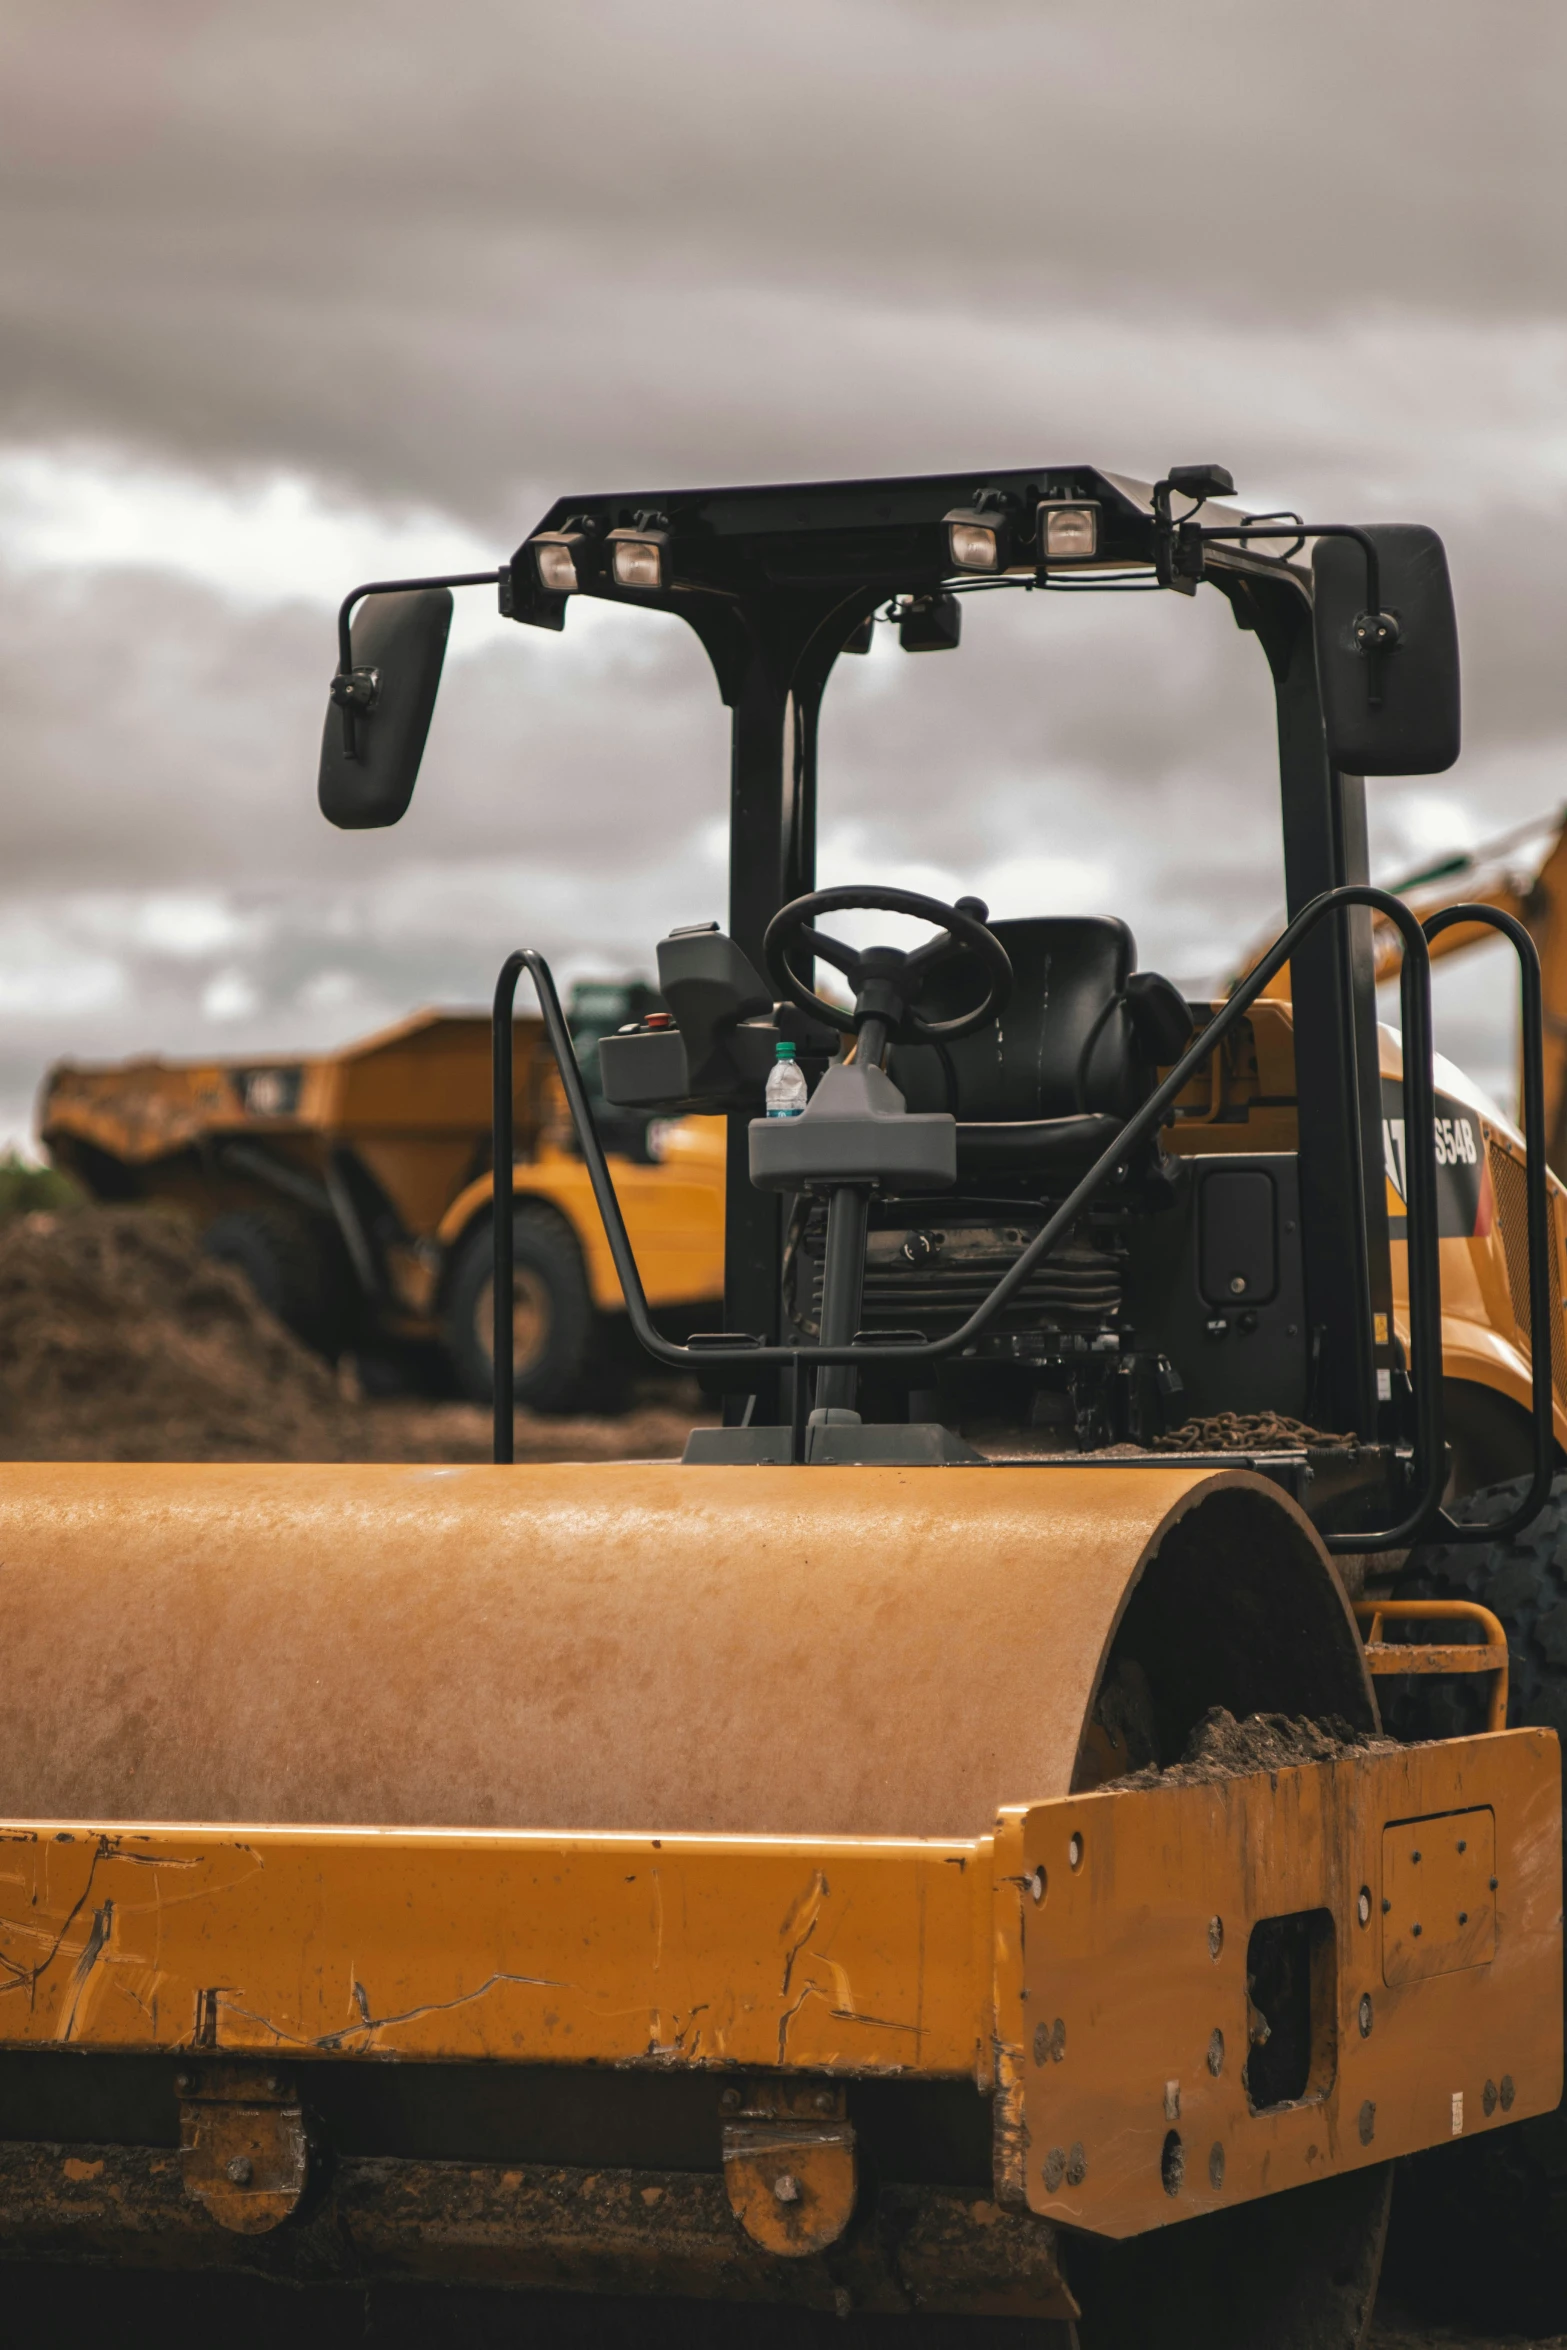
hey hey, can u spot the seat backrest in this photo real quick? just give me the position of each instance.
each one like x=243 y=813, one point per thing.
x=1068 y=972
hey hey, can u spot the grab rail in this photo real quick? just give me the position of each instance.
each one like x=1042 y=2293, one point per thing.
x=1401 y=1660
x=1543 y=1308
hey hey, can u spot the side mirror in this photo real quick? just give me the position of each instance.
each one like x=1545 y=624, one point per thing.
x=381 y=708
x=1387 y=650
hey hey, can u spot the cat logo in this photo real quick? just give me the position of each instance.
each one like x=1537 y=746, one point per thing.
x=1463 y=1189
x=1455 y=1147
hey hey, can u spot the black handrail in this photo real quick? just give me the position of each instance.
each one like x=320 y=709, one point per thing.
x=1425 y=1342
x=1543 y=1307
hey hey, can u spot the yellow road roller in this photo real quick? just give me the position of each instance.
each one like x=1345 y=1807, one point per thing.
x=930 y=1865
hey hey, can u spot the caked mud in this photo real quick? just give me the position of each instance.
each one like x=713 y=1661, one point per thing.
x=1222 y=1748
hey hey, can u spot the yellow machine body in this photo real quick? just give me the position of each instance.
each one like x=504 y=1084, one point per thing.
x=801 y=1784
x=1246 y=1103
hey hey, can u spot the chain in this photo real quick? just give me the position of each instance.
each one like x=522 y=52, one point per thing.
x=1244 y=1432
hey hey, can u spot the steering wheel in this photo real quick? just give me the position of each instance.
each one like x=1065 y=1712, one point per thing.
x=887 y=980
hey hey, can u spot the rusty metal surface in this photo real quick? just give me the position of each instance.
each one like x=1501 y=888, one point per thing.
x=621 y=1647
x=791 y=2184
x=243 y=2148
x=790 y=2162
x=1139 y=1977
x=531 y=2225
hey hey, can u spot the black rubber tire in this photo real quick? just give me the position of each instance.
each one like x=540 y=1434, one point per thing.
x=290 y=1264
x=1480 y=2229
x=558 y=1375
x=1296 y=2271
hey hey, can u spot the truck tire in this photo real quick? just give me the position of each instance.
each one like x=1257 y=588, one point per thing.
x=1480 y=2228
x=289 y=1267
x=555 y=1330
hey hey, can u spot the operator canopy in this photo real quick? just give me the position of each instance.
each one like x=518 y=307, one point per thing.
x=777 y=581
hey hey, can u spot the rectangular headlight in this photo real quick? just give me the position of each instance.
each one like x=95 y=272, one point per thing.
x=1068 y=534
x=973 y=542
x=638 y=563
x=638 y=557
x=556 y=559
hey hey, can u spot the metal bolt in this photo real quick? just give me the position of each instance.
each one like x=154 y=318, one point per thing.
x=1216 y=2166
x=1368 y=2122
x=241 y=2169
x=274 y=2085
x=1216 y=2053
x=1414 y=1929
x=1237 y=1285
x=728 y=2100
x=1363 y=1905
x=1215 y=1936
x=1414 y=1856
x=1365 y=2015
x=1495 y=1881
x=824 y=2101
x=1076 y=2166
x=1488 y=2098
x=1386 y=1905
x=1463 y=1917
x=787 y=2187
x=1508 y=2092
x=1036 y=1884
x=1074 y=1852
x=182 y=2082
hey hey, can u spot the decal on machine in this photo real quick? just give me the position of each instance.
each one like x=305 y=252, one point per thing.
x=1463 y=1188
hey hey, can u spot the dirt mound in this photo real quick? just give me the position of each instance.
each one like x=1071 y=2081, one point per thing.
x=121 y=1341
x=1222 y=1748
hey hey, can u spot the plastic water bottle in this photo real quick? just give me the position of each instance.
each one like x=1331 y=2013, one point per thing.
x=787 y=1093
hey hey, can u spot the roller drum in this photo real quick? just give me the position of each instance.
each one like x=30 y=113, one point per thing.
x=783 y=1651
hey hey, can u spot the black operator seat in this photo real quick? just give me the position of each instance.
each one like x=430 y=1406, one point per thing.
x=1044 y=1089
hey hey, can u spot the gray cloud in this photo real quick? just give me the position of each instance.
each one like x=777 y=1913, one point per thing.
x=468 y=258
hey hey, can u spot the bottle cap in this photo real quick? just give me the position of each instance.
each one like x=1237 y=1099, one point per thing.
x=783 y=1050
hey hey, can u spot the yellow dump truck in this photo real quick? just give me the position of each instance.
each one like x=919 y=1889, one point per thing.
x=935 y=1861
x=353 y=1190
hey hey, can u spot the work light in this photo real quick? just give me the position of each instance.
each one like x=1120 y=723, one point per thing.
x=1068 y=533
x=639 y=555
x=974 y=539
x=559 y=559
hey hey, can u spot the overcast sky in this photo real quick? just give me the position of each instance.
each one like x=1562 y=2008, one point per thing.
x=295 y=294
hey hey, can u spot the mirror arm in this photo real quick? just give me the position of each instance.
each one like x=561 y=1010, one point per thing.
x=354 y=690
x=1375 y=631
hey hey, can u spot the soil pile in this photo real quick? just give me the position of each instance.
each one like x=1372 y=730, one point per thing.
x=121 y=1341
x=1222 y=1748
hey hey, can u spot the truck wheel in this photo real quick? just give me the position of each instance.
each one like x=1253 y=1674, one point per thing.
x=288 y=1267
x=1480 y=2228
x=554 y=1331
